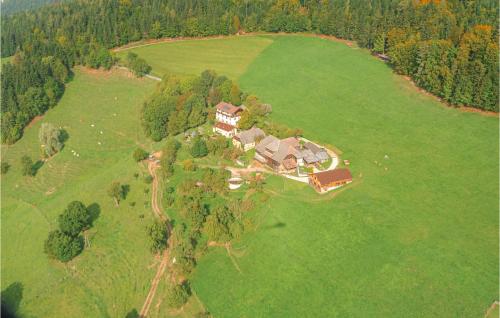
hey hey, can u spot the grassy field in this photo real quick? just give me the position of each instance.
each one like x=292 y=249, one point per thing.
x=229 y=56
x=415 y=235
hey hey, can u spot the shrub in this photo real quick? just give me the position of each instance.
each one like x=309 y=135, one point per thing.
x=148 y=179
x=140 y=154
x=158 y=235
x=27 y=166
x=189 y=165
x=177 y=295
x=137 y=65
x=4 y=166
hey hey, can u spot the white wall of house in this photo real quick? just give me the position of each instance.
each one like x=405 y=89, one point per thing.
x=236 y=143
x=244 y=147
x=227 y=134
x=219 y=116
x=249 y=146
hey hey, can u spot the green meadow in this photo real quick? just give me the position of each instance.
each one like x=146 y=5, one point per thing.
x=229 y=56
x=415 y=234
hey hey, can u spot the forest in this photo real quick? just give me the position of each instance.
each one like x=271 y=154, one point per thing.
x=448 y=48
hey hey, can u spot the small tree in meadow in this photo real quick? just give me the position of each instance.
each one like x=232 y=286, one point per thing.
x=117 y=192
x=140 y=154
x=27 y=166
x=50 y=138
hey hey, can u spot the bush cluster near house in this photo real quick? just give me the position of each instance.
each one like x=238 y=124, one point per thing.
x=180 y=103
x=65 y=243
x=199 y=147
x=205 y=213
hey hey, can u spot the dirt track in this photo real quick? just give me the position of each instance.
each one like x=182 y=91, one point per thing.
x=152 y=167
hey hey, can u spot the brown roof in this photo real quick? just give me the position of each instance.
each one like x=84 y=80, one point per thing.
x=277 y=149
x=249 y=136
x=228 y=108
x=224 y=126
x=330 y=176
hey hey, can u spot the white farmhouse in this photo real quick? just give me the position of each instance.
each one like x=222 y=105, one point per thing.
x=226 y=117
x=228 y=113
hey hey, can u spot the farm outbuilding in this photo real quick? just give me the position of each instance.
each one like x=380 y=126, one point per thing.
x=328 y=180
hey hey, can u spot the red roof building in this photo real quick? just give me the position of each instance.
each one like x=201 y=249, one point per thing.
x=327 y=180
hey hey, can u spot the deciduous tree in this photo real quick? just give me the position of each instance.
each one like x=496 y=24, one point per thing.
x=50 y=138
x=74 y=219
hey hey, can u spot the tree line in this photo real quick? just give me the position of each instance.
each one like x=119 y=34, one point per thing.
x=447 y=47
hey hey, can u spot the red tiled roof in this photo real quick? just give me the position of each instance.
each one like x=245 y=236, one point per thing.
x=227 y=108
x=224 y=126
x=331 y=176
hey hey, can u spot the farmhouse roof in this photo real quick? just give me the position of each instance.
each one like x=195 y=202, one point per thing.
x=249 y=136
x=277 y=149
x=262 y=145
x=224 y=126
x=228 y=108
x=319 y=152
x=309 y=156
x=314 y=148
x=330 y=176
x=286 y=147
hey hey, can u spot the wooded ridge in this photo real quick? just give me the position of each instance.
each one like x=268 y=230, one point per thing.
x=448 y=48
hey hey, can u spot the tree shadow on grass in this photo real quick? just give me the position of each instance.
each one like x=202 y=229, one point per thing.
x=125 y=190
x=11 y=299
x=64 y=136
x=94 y=211
x=277 y=225
x=37 y=166
x=132 y=314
